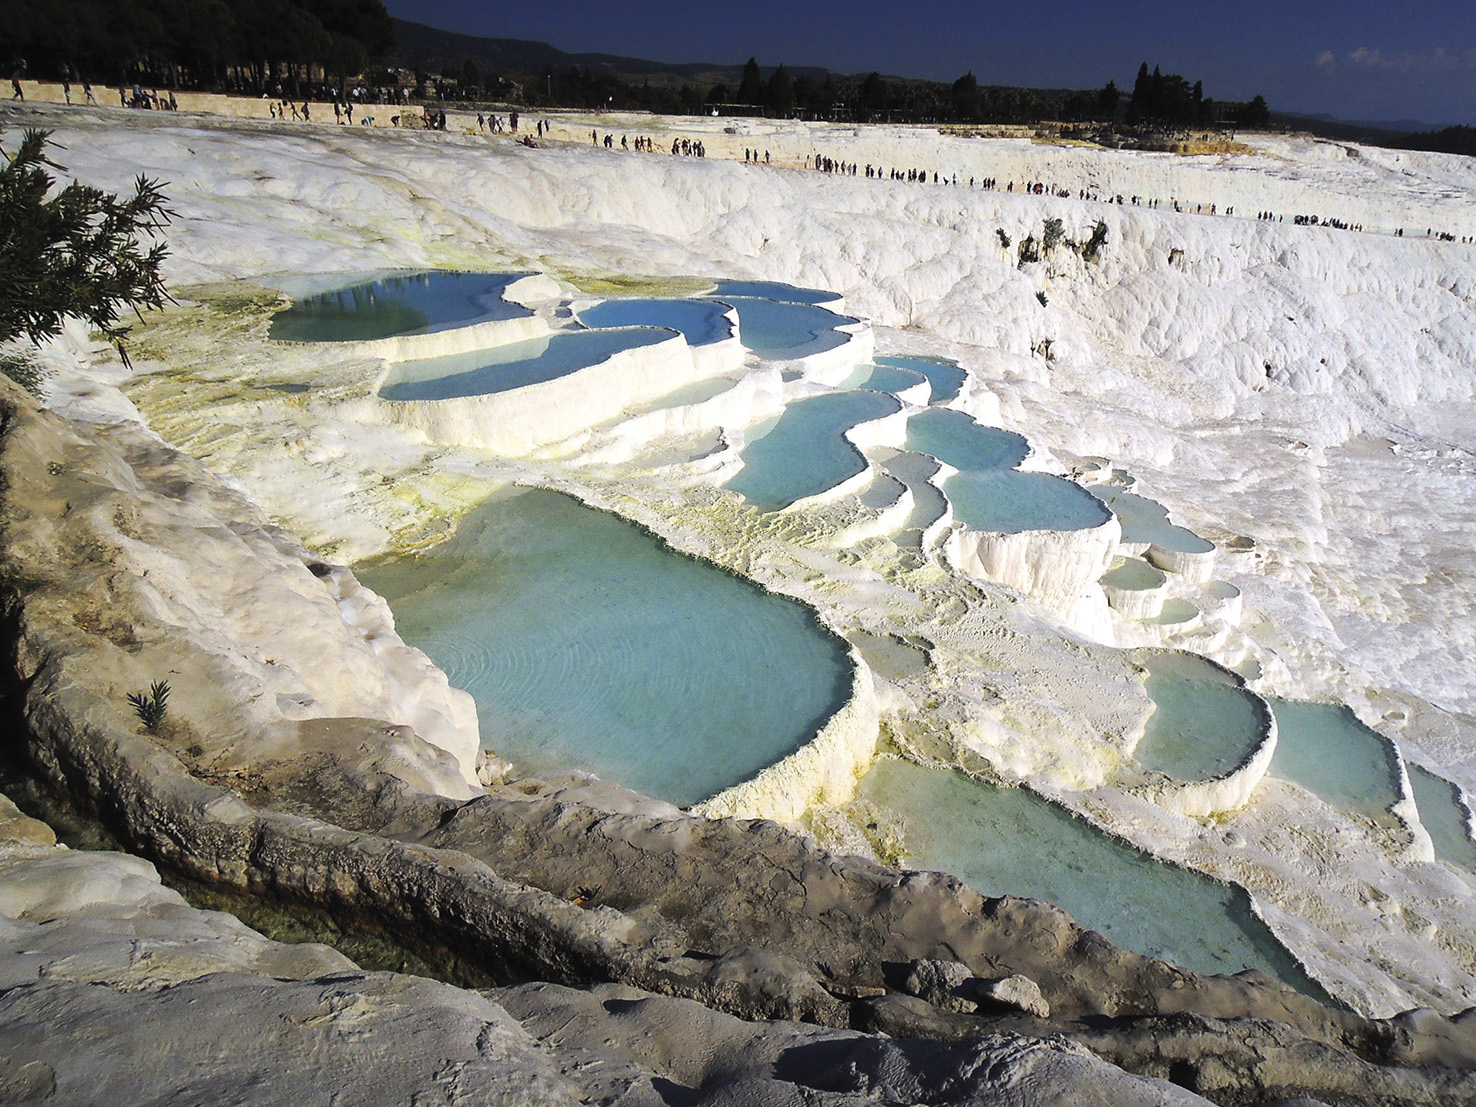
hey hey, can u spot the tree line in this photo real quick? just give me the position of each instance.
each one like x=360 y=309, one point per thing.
x=225 y=45
x=1157 y=100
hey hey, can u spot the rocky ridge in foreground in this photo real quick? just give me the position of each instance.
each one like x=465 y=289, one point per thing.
x=124 y=562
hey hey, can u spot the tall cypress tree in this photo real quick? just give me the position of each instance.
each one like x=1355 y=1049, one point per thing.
x=751 y=90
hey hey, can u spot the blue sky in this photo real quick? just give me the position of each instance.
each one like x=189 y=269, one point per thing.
x=1356 y=59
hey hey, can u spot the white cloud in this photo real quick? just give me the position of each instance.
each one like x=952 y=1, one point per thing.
x=1438 y=60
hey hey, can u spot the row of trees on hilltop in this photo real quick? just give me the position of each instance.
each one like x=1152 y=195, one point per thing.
x=1158 y=99
x=246 y=45
x=1169 y=100
x=875 y=98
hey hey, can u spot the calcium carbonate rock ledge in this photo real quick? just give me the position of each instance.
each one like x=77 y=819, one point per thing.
x=534 y=880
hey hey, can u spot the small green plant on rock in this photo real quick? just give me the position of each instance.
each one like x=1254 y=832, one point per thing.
x=151 y=706
x=1041 y=296
x=1004 y=239
x=1055 y=230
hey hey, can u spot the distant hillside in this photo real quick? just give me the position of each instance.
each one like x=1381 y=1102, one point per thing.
x=1325 y=126
x=431 y=49
x=1400 y=135
x=1451 y=140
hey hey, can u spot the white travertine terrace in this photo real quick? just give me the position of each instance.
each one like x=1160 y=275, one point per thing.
x=1300 y=395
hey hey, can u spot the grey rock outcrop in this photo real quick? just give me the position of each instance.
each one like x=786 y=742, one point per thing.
x=116 y=991
x=1016 y=992
x=947 y=985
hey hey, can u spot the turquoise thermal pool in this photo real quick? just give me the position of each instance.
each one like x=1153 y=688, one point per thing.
x=1010 y=841
x=774 y=329
x=806 y=452
x=1008 y=501
x=701 y=322
x=1145 y=521
x=1133 y=574
x=1324 y=748
x=515 y=365
x=953 y=437
x=885 y=378
x=774 y=290
x=588 y=644
x=945 y=376
x=1444 y=815
x=1204 y=723
x=415 y=303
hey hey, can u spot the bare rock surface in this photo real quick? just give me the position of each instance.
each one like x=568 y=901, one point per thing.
x=309 y=755
x=1018 y=992
x=132 y=996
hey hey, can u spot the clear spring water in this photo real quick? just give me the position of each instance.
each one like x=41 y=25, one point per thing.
x=774 y=329
x=774 y=290
x=1008 y=501
x=885 y=378
x=413 y=303
x=1133 y=574
x=916 y=471
x=1444 y=816
x=515 y=365
x=1010 y=841
x=1145 y=521
x=806 y=452
x=701 y=322
x=945 y=376
x=589 y=644
x=1324 y=748
x=955 y=438
x=1204 y=723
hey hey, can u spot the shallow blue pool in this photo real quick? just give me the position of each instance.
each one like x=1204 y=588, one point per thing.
x=1327 y=750
x=955 y=438
x=1444 y=816
x=1143 y=520
x=702 y=322
x=1204 y=723
x=774 y=290
x=589 y=644
x=414 y=303
x=886 y=378
x=1007 y=501
x=771 y=328
x=945 y=376
x=806 y=452
x=515 y=365
x=1009 y=841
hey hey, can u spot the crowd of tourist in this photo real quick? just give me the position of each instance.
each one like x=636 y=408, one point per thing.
x=344 y=103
